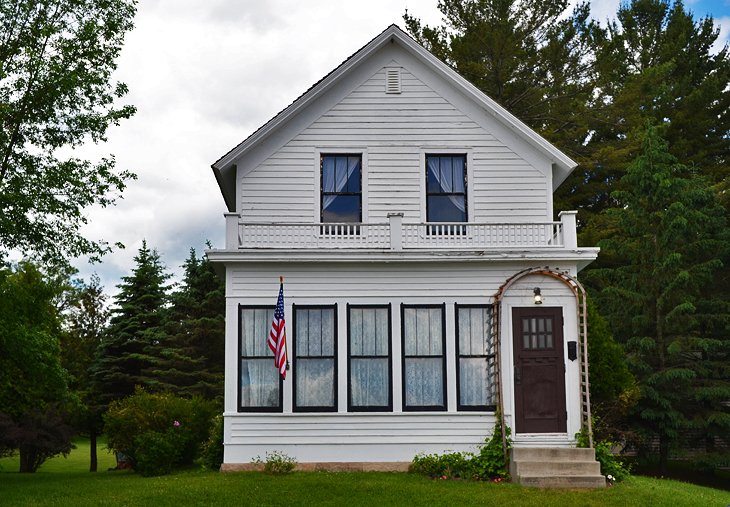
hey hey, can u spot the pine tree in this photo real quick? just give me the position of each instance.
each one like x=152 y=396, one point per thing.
x=124 y=353
x=190 y=358
x=669 y=242
x=653 y=63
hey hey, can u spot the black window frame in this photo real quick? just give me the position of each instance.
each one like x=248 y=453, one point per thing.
x=359 y=408
x=323 y=194
x=423 y=408
x=295 y=359
x=448 y=194
x=490 y=358
x=241 y=408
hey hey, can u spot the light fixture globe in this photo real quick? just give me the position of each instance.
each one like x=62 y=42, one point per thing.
x=537 y=298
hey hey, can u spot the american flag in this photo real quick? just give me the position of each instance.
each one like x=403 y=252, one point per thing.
x=277 y=336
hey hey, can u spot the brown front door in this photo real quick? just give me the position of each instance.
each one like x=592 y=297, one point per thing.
x=539 y=370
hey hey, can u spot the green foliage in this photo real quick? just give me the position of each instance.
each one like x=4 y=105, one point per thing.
x=157 y=453
x=212 y=453
x=276 y=463
x=57 y=58
x=33 y=384
x=145 y=424
x=189 y=357
x=126 y=348
x=670 y=243
x=488 y=463
x=611 y=465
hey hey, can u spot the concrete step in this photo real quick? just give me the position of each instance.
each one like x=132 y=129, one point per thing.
x=577 y=468
x=563 y=481
x=556 y=467
x=552 y=454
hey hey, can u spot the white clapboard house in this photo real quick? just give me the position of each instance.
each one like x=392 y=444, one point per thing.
x=412 y=220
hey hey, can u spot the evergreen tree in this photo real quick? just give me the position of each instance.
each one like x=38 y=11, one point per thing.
x=190 y=358
x=123 y=356
x=531 y=56
x=86 y=325
x=669 y=241
x=653 y=63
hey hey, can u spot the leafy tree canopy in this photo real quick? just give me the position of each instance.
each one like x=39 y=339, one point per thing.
x=56 y=62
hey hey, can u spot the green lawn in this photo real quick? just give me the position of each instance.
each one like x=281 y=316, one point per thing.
x=65 y=482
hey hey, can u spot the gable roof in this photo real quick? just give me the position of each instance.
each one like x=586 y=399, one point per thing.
x=225 y=171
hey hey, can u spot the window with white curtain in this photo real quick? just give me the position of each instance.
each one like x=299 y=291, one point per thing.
x=259 y=380
x=315 y=358
x=446 y=188
x=341 y=181
x=475 y=368
x=369 y=359
x=424 y=360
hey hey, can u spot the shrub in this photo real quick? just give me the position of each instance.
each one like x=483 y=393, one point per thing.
x=610 y=463
x=212 y=452
x=488 y=463
x=145 y=426
x=276 y=463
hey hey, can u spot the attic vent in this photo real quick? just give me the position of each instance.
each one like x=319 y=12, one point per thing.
x=392 y=80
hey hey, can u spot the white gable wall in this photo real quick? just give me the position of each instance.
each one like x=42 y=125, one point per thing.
x=394 y=132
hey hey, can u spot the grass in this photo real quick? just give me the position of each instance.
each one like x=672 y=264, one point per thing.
x=65 y=482
x=77 y=460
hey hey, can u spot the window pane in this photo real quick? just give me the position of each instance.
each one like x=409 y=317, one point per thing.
x=383 y=334
x=255 y=327
x=341 y=208
x=327 y=330
x=315 y=385
x=424 y=382
x=259 y=383
x=473 y=381
x=356 y=348
x=442 y=208
x=328 y=174
x=369 y=382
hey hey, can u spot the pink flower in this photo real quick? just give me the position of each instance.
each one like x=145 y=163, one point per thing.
x=176 y=423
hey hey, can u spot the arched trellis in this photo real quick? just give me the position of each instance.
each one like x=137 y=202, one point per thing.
x=580 y=298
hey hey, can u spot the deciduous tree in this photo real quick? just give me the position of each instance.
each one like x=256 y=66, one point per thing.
x=56 y=91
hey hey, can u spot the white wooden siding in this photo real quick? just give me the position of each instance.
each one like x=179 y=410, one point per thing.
x=352 y=437
x=395 y=129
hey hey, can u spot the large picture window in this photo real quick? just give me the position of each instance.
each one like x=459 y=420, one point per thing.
x=424 y=361
x=369 y=358
x=475 y=367
x=315 y=358
x=259 y=380
x=446 y=188
x=341 y=180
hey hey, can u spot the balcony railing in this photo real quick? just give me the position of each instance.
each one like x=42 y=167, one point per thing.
x=396 y=235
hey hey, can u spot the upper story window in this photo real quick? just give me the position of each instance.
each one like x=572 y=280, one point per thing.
x=446 y=188
x=341 y=181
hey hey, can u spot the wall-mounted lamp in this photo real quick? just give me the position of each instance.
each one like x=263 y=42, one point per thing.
x=537 y=298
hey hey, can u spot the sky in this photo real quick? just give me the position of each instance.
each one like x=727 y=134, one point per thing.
x=205 y=75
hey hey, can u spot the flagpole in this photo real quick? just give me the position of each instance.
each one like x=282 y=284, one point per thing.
x=286 y=345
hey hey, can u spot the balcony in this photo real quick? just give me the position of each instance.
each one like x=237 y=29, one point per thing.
x=398 y=236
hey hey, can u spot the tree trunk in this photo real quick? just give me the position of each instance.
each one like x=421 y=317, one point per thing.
x=663 y=454
x=27 y=460
x=92 y=451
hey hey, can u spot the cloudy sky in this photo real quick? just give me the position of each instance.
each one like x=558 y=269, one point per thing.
x=203 y=76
